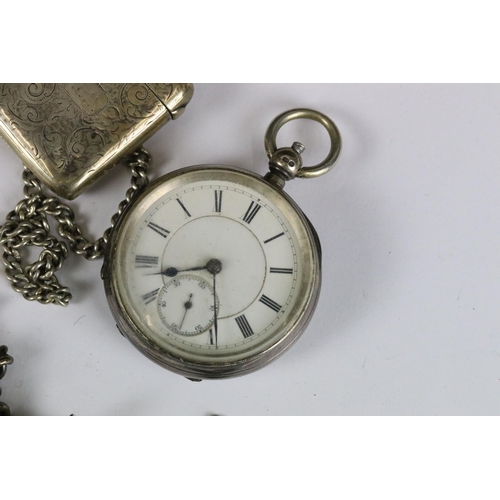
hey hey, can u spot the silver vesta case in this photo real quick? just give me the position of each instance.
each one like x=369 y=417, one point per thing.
x=69 y=134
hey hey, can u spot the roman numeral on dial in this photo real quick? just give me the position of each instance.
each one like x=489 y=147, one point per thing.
x=183 y=207
x=274 y=237
x=158 y=229
x=251 y=212
x=218 y=200
x=149 y=297
x=145 y=261
x=244 y=326
x=281 y=270
x=270 y=303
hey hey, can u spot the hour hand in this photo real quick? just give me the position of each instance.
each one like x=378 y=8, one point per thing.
x=173 y=271
x=214 y=266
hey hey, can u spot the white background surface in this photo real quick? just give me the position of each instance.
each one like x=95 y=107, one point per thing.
x=408 y=319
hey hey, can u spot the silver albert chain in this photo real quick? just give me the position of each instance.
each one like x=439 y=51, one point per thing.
x=67 y=136
x=27 y=225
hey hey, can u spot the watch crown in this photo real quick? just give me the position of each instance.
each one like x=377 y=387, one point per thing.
x=284 y=164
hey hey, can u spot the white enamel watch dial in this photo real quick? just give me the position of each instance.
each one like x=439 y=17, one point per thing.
x=213 y=271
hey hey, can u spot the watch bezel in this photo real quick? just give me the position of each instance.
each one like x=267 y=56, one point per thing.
x=213 y=370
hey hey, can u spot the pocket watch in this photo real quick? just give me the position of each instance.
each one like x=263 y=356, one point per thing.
x=214 y=271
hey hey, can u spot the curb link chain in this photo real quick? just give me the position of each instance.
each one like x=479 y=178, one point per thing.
x=27 y=225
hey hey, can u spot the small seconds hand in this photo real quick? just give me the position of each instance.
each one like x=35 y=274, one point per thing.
x=187 y=305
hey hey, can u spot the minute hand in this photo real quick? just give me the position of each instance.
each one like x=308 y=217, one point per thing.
x=214 y=267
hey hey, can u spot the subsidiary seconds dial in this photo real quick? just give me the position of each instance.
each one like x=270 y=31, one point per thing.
x=187 y=305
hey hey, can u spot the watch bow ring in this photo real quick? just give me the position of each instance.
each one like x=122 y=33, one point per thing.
x=296 y=169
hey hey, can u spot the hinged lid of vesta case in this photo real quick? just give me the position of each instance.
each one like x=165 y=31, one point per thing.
x=69 y=134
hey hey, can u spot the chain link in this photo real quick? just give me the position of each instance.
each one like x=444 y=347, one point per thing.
x=27 y=225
